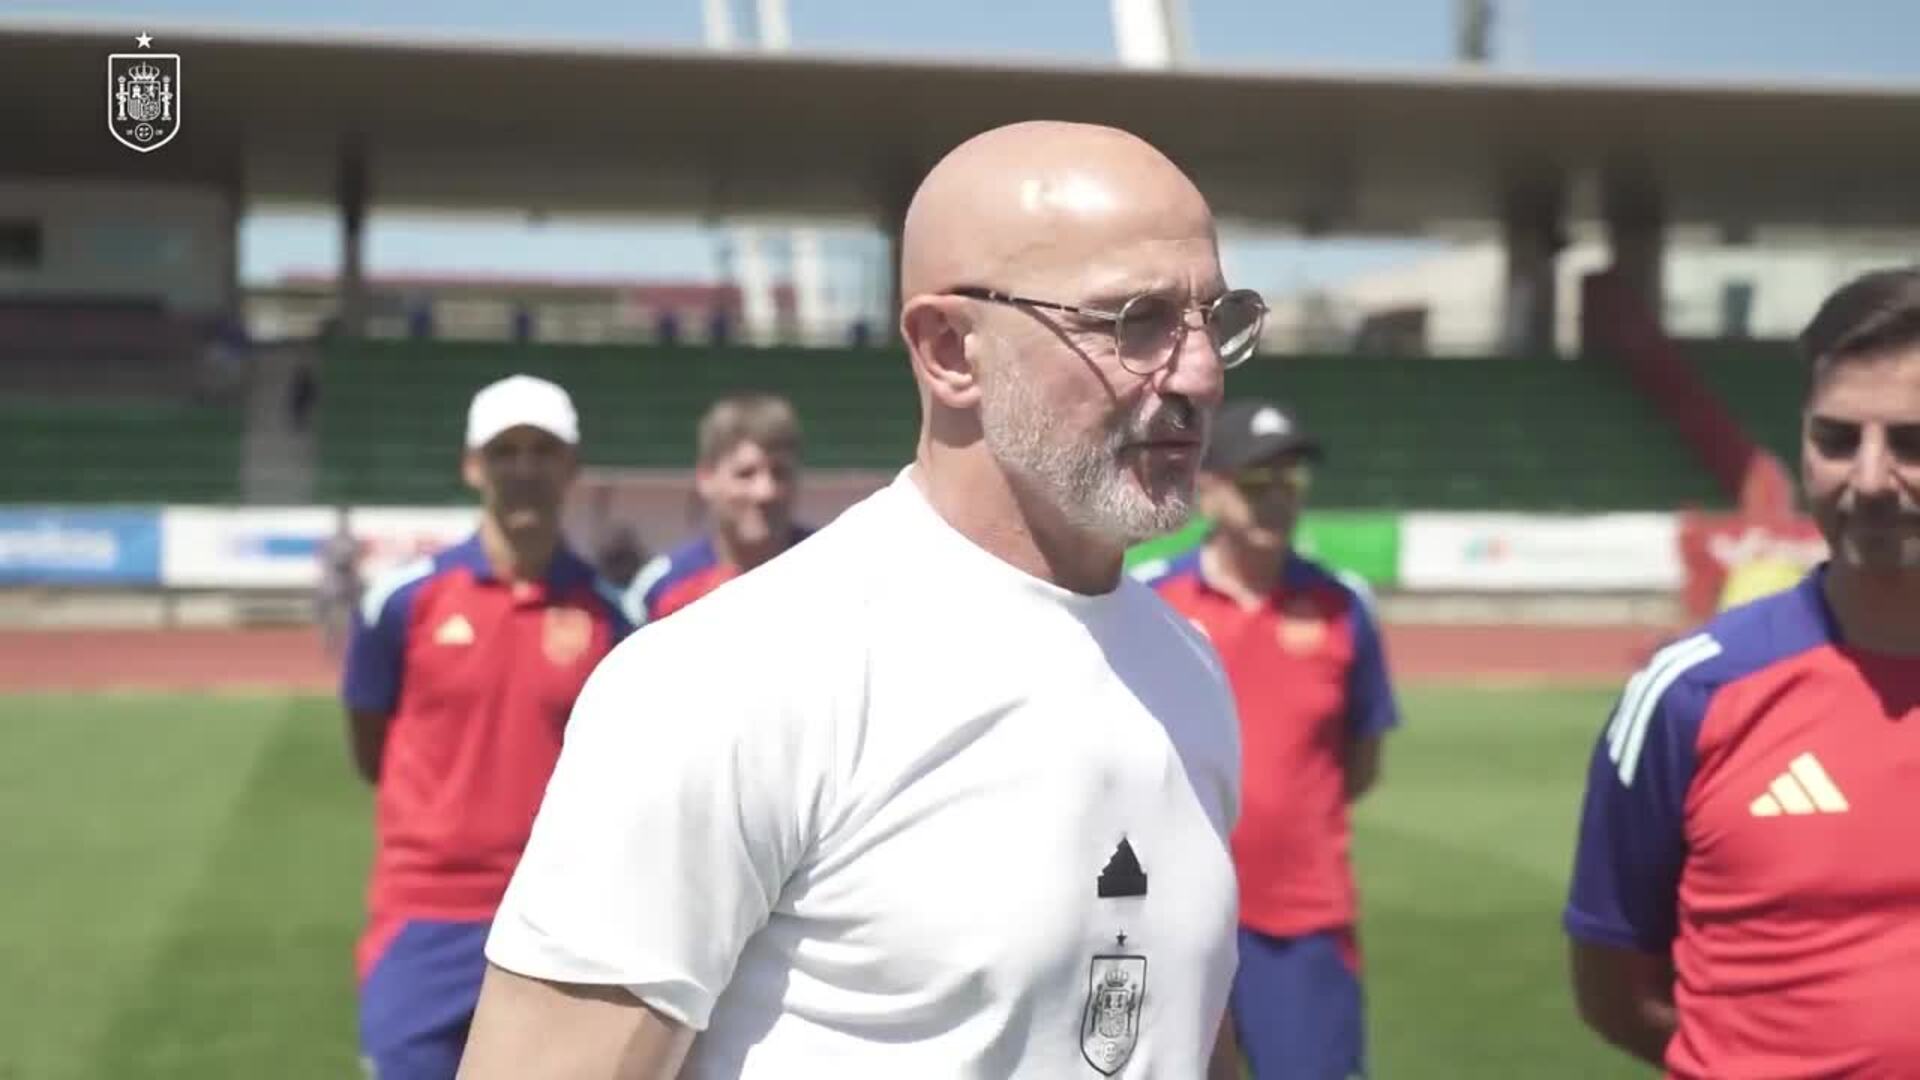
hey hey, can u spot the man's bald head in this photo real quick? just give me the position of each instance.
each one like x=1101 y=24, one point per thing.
x=1033 y=402
x=1030 y=204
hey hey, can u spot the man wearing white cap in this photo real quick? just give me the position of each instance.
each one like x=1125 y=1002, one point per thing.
x=460 y=675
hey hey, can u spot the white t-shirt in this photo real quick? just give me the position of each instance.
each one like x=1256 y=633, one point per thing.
x=852 y=814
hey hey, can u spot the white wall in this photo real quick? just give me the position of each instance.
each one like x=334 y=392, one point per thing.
x=1789 y=280
x=176 y=244
x=1462 y=289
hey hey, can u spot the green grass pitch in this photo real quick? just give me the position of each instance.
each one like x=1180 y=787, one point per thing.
x=184 y=876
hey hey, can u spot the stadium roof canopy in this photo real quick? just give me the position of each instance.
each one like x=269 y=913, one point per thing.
x=463 y=122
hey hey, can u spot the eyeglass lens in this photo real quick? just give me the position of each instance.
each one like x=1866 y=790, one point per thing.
x=1150 y=325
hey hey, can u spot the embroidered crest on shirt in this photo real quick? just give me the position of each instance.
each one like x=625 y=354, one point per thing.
x=567 y=634
x=1302 y=626
x=1116 y=988
x=456 y=630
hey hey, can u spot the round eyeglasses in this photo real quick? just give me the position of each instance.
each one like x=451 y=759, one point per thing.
x=1147 y=329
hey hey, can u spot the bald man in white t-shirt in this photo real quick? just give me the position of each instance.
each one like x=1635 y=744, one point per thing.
x=938 y=793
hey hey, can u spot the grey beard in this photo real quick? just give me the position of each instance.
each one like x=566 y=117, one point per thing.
x=1085 y=481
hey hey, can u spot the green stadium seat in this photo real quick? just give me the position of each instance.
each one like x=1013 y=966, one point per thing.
x=1471 y=434
x=1482 y=433
x=101 y=452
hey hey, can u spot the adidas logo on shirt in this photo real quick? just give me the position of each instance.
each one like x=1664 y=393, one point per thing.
x=455 y=631
x=1805 y=788
x=1123 y=875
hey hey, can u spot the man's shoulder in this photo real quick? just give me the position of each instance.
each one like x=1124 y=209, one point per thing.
x=1682 y=681
x=1178 y=641
x=684 y=559
x=1343 y=586
x=1739 y=643
x=390 y=591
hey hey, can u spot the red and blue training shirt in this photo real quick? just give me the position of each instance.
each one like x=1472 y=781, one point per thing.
x=1753 y=810
x=1309 y=675
x=672 y=581
x=478 y=677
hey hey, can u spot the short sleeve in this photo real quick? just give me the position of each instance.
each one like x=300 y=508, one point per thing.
x=680 y=807
x=1372 y=710
x=377 y=646
x=1632 y=833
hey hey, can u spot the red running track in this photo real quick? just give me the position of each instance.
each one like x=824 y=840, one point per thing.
x=294 y=659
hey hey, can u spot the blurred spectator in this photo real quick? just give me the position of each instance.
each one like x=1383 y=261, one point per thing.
x=303 y=392
x=340 y=585
x=747 y=476
x=460 y=677
x=1304 y=656
x=620 y=556
x=223 y=358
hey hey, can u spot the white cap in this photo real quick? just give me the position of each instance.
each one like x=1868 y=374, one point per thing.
x=517 y=400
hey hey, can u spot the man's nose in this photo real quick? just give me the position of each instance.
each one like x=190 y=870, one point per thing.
x=1872 y=476
x=1195 y=371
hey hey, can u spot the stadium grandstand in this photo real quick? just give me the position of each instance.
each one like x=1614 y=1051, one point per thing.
x=181 y=444
x=1414 y=158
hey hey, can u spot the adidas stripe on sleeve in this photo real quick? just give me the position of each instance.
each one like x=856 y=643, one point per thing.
x=377 y=649
x=1632 y=833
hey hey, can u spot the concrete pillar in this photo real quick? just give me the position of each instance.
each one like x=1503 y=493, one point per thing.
x=353 y=192
x=1637 y=239
x=1534 y=234
x=896 y=199
x=814 y=313
x=234 y=303
x=753 y=275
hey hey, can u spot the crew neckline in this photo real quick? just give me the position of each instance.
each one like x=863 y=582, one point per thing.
x=921 y=509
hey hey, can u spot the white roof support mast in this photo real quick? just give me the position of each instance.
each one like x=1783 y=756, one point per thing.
x=746 y=250
x=1150 y=33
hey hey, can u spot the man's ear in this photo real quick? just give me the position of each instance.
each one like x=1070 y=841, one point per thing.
x=472 y=470
x=943 y=346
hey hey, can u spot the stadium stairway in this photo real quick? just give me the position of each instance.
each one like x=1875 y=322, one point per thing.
x=1623 y=332
x=277 y=463
x=1762 y=383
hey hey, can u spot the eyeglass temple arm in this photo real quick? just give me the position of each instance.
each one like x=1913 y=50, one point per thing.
x=1009 y=298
